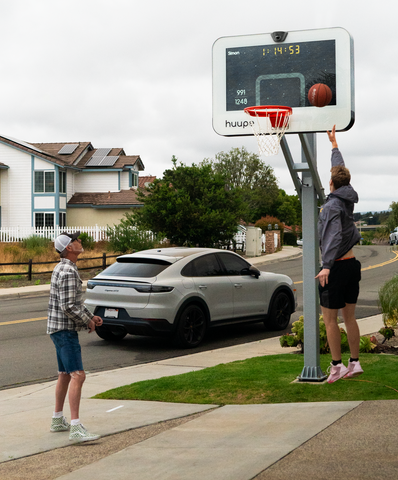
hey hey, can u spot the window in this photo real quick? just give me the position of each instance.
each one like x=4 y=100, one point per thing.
x=134 y=179
x=62 y=182
x=43 y=219
x=44 y=182
x=206 y=266
x=62 y=219
x=136 y=267
x=233 y=264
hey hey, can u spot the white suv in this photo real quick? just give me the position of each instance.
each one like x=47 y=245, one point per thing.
x=184 y=291
x=394 y=237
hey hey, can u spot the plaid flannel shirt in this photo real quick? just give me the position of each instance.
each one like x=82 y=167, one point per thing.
x=66 y=310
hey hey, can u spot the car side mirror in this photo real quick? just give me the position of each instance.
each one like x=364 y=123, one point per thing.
x=254 y=272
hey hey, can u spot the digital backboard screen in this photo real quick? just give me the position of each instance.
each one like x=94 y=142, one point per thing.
x=278 y=74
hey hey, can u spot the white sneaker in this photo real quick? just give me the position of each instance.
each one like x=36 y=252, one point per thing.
x=59 y=424
x=78 y=433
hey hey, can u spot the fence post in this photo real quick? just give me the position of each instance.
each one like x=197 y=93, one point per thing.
x=103 y=261
x=30 y=270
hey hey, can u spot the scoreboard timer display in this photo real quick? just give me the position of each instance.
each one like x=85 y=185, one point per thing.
x=256 y=70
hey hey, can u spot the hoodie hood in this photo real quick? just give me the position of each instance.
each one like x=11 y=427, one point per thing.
x=346 y=193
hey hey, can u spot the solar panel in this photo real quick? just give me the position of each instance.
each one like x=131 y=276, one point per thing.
x=103 y=161
x=24 y=144
x=94 y=161
x=102 y=152
x=109 y=161
x=68 y=149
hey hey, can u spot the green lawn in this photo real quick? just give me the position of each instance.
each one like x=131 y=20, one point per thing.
x=266 y=380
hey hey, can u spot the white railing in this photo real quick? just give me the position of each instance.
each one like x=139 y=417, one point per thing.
x=15 y=234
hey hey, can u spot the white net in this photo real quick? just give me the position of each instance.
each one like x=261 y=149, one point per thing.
x=269 y=124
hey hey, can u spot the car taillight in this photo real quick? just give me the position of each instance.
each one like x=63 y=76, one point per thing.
x=152 y=288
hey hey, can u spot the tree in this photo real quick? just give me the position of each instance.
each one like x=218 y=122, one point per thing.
x=191 y=206
x=247 y=172
x=287 y=208
x=393 y=217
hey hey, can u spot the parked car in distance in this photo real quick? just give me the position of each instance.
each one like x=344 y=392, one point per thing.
x=181 y=292
x=300 y=242
x=393 y=240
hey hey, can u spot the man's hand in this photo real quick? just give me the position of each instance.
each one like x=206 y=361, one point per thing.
x=96 y=321
x=332 y=137
x=323 y=276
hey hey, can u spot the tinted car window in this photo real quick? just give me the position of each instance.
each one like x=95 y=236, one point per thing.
x=233 y=264
x=136 y=267
x=206 y=266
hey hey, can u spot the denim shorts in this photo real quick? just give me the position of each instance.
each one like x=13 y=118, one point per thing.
x=342 y=286
x=69 y=355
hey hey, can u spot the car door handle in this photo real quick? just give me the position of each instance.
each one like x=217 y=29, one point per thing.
x=238 y=285
x=203 y=286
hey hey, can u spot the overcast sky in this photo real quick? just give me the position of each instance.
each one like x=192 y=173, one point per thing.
x=138 y=75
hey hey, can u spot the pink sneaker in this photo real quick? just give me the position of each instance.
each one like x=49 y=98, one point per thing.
x=337 y=372
x=354 y=369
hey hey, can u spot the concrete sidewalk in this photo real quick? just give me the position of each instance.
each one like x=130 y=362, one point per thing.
x=229 y=442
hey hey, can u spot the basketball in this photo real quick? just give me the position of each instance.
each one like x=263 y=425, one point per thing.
x=319 y=95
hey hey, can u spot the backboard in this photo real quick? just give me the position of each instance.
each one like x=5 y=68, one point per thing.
x=279 y=68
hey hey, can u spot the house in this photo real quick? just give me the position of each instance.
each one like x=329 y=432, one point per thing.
x=66 y=184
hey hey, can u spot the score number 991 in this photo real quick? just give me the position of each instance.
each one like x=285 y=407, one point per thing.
x=242 y=100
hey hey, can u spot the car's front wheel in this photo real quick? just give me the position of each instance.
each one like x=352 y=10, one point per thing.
x=280 y=313
x=109 y=334
x=191 y=327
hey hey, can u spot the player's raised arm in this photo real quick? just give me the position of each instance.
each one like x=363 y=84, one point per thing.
x=332 y=137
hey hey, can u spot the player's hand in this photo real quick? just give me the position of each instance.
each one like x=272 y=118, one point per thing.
x=97 y=320
x=323 y=276
x=91 y=326
x=332 y=136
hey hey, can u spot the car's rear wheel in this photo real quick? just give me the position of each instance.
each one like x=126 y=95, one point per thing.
x=280 y=313
x=191 y=327
x=108 y=334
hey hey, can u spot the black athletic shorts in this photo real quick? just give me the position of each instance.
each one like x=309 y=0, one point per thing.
x=343 y=284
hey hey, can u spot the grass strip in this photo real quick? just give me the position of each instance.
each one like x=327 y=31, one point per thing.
x=266 y=379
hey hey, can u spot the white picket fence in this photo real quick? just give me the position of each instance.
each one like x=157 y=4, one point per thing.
x=16 y=234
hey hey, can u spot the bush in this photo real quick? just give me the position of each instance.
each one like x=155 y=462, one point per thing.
x=296 y=339
x=127 y=239
x=33 y=242
x=87 y=241
x=290 y=238
x=388 y=302
x=267 y=220
x=36 y=246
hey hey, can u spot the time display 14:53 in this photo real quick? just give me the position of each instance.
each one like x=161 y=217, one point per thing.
x=288 y=49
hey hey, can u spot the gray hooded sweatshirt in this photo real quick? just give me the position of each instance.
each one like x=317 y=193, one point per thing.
x=336 y=229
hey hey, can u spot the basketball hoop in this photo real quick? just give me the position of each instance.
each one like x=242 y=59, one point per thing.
x=269 y=126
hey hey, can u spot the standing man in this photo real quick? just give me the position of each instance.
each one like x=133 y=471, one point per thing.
x=341 y=272
x=66 y=316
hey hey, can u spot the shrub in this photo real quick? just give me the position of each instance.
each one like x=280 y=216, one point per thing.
x=388 y=302
x=366 y=345
x=296 y=339
x=35 y=246
x=33 y=242
x=126 y=239
x=268 y=220
x=87 y=241
x=290 y=238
